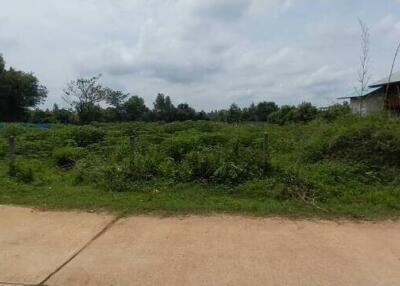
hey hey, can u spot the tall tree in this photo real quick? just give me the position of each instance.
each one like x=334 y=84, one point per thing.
x=2 y=64
x=305 y=112
x=64 y=116
x=19 y=91
x=85 y=94
x=163 y=108
x=135 y=108
x=185 y=112
x=234 y=113
x=116 y=99
x=264 y=109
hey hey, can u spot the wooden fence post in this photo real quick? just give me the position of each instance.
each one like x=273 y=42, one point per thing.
x=265 y=150
x=11 y=156
x=132 y=145
x=236 y=147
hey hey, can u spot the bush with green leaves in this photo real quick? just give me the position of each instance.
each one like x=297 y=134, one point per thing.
x=305 y=112
x=293 y=186
x=282 y=116
x=213 y=139
x=66 y=157
x=178 y=146
x=370 y=145
x=335 y=112
x=87 y=135
x=334 y=160
x=221 y=165
x=11 y=129
x=24 y=171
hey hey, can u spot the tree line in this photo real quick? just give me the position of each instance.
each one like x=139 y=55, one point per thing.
x=89 y=101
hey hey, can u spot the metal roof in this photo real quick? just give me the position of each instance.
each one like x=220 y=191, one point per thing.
x=356 y=92
x=395 y=78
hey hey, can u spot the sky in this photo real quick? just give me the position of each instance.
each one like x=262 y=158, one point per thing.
x=208 y=53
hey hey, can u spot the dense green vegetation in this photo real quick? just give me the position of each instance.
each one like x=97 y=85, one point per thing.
x=19 y=91
x=335 y=165
x=109 y=150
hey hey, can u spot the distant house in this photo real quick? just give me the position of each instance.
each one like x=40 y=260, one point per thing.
x=374 y=98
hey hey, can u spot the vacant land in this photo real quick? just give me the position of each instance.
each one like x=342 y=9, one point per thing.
x=346 y=166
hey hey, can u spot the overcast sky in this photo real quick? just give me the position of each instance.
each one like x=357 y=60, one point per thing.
x=208 y=53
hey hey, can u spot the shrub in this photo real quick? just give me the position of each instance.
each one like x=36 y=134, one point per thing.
x=114 y=177
x=296 y=187
x=145 y=166
x=305 y=112
x=178 y=146
x=201 y=164
x=371 y=145
x=213 y=139
x=34 y=143
x=282 y=116
x=221 y=165
x=24 y=171
x=230 y=173
x=3 y=147
x=119 y=171
x=334 y=112
x=87 y=135
x=11 y=129
x=66 y=157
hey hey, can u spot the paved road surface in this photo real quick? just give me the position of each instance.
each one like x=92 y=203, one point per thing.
x=75 y=248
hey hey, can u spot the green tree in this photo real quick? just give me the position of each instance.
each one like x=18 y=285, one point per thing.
x=116 y=99
x=202 y=115
x=283 y=115
x=185 y=112
x=41 y=116
x=164 y=110
x=264 y=109
x=333 y=112
x=85 y=94
x=2 y=64
x=135 y=109
x=234 y=113
x=64 y=116
x=19 y=91
x=305 y=112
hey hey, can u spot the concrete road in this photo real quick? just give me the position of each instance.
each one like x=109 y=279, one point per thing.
x=55 y=248
x=33 y=244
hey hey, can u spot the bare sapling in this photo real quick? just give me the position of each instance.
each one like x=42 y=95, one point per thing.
x=363 y=71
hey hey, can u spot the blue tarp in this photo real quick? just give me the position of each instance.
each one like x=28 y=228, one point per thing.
x=32 y=125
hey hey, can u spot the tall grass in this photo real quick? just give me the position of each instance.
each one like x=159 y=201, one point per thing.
x=329 y=166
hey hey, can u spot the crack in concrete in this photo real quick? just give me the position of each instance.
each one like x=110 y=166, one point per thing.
x=100 y=233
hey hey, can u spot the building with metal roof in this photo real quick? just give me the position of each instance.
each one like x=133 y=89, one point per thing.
x=381 y=95
x=395 y=78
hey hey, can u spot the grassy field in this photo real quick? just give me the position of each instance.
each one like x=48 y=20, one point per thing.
x=345 y=168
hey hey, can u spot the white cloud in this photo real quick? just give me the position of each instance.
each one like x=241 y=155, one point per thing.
x=205 y=52
x=389 y=25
